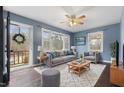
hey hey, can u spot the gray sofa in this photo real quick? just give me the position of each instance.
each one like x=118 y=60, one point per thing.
x=59 y=58
x=93 y=56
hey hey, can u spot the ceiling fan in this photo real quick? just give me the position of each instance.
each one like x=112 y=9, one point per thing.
x=73 y=20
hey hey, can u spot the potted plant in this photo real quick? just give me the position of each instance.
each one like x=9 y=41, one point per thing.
x=113 y=52
x=81 y=56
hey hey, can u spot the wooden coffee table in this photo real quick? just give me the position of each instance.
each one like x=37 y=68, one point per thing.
x=77 y=68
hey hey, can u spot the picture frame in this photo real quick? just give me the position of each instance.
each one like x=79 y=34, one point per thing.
x=80 y=40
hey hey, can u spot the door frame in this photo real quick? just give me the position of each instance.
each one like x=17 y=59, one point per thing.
x=1 y=45
x=30 y=48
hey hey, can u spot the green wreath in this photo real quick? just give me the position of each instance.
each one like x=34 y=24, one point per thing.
x=19 y=38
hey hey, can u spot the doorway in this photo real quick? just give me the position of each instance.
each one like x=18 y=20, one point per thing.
x=21 y=45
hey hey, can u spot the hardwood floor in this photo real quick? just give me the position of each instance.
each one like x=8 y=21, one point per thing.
x=25 y=78
x=30 y=78
x=104 y=78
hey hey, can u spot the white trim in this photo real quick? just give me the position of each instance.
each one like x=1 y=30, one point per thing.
x=21 y=24
x=24 y=67
x=31 y=48
x=19 y=67
x=30 y=63
x=106 y=61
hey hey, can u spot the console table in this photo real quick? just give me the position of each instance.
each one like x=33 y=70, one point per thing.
x=117 y=75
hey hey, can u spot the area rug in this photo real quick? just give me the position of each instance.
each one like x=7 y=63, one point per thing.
x=88 y=78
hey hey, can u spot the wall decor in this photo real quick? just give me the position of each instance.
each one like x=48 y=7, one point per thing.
x=80 y=40
x=19 y=38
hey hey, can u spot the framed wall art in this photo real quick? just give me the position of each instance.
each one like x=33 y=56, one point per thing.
x=80 y=40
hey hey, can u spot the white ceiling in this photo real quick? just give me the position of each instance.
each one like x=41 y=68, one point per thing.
x=53 y=15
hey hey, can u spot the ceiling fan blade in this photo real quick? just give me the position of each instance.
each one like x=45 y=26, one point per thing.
x=67 y=16
x=81 y=17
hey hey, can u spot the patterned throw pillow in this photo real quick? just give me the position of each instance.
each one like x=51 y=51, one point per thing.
x=52 y=54
x=69 y=53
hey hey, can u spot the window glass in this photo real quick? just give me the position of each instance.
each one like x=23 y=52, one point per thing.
x=55 y=41
x=95 y=41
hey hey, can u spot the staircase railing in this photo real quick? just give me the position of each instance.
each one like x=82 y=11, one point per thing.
x=18 y=58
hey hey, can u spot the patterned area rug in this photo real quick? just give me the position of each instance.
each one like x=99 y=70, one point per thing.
x=88 y=78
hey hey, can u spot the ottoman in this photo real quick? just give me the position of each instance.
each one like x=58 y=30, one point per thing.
x=51 y=78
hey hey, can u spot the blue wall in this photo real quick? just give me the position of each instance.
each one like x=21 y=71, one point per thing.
x=36 y=31
x=111 y=33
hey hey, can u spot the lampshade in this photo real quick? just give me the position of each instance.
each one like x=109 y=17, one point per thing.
x=73 y=47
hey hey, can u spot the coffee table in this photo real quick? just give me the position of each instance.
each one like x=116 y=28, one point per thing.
x=78 y=68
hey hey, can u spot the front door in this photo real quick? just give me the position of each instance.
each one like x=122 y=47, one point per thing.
x=4 y=50
x=1 y=46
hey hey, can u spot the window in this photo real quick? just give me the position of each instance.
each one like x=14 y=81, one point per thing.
x=54 y=41
x=95 y=41
x=16 y=28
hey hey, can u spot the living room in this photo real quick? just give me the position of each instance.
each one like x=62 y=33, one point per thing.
x=72 y=44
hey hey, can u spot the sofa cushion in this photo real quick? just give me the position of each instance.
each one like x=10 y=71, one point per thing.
x=91 y=53
x=70 y=53
x=62 y=59
x=68 y=57
x=90 y=57
x=51 y=54
x=62 y=53
x=57 y=54
x=58 y=59
x=86 y=53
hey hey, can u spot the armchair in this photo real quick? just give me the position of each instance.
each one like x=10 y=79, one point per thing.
x=93 y=56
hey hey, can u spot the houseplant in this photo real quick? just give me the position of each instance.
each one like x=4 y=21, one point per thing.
x=113 y=52
x=81 y=56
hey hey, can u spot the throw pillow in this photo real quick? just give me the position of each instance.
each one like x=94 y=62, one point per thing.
x=69 y=53
x=62 y=53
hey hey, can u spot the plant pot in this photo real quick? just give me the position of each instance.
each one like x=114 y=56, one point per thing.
x=113 y=60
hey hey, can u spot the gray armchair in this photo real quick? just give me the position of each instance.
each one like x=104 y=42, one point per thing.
x=93 y=56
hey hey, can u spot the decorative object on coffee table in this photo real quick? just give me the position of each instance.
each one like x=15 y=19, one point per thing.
x=77 y=68
x=81 y=57
x=51 y=78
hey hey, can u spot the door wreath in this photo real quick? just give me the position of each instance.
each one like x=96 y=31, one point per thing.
x=19 y=38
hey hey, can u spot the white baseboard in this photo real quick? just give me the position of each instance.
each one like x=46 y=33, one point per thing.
x=23 y=67
x=106 y=61
x=19 y=67
x=34 y=65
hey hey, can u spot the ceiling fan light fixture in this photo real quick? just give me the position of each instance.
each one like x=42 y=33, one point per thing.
x=73 y=20
x=72 y=23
